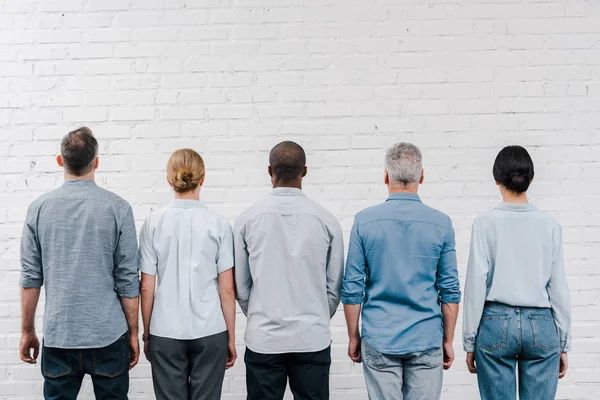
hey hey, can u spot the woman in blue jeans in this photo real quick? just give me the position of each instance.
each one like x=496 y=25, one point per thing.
x=517 y=316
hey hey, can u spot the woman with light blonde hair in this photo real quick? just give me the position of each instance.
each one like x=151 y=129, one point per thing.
x=188 y=302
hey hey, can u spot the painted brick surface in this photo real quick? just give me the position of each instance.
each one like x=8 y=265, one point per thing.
x=345 y=78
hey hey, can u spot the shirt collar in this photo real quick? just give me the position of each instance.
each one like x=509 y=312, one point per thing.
x=516 y=207
x=79 y=182
x=183 y=203
x=286 y=191
x=404 y=196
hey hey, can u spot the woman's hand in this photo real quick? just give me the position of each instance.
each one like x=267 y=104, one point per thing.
x=564 y=365
x=231 y=354
x=471 y=363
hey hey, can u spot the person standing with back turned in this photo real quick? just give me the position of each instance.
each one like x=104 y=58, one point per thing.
x=402 y=269
x=517 y=301
x=189 y=326
x=79 y=241
x=289 y=261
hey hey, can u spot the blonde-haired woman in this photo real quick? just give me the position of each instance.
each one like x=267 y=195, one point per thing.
x=189 y=320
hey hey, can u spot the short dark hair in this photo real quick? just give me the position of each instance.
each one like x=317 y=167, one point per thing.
x=79 y=150
x=513 y=168
x=287 y=160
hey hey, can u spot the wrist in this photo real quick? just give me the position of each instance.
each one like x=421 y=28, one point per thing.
x=354 y=337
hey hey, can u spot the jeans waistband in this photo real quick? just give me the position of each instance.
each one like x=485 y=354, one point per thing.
x=503 y=305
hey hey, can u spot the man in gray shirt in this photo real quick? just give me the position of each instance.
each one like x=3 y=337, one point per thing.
x=80 y=242
x=289 y=261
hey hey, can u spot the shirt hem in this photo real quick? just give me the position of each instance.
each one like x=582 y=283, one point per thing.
x=84 y=347
x=287 y=351
x=187 y=337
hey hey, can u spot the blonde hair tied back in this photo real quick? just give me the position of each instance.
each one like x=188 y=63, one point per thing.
x=185 y=170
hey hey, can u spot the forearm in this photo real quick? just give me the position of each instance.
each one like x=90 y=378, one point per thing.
x=449 y=315
x=131 y=310
x=352 y=313
x=29 y=301
x=228 y=307
x=148 y=289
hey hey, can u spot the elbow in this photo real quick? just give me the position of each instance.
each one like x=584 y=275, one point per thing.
x=227 y=291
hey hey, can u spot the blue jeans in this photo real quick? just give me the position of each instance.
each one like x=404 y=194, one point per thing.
x=517 y=336
x=416 y=376
x=64 y=369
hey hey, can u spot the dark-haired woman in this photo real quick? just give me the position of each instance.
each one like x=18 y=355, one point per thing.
x=189 y=325
x=517 y=313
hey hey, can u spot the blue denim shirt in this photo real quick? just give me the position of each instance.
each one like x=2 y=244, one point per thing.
x=401 y=266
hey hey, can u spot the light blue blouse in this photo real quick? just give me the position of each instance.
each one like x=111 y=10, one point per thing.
x=516 y=258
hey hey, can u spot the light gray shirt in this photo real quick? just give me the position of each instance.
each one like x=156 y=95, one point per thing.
x=79 y=241
x=186 y=246
x=516 y=258
x=289 y=264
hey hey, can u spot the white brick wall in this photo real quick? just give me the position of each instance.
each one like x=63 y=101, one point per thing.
x=345 y=78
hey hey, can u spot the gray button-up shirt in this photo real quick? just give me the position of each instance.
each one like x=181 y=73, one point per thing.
x=289 y=264
x=80 y=242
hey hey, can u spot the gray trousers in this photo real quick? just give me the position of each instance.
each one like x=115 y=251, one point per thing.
x=188 y=369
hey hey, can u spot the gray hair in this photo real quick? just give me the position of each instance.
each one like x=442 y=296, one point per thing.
x=404 y=163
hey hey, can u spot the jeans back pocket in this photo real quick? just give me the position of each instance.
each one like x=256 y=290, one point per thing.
x=112 y=360
x=372 y=357
x=493 y=331
x=55 y=362
x=545 y=334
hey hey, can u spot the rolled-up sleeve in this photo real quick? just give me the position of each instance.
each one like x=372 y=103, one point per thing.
x=353 y=286
x=447 y=282
x=335 y=267
x=32 y=275
x=243 y=277
x=126 y=260
x=475 y=286
x=558 y=293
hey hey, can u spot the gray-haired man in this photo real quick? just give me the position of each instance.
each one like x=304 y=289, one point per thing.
x=401 y=268
x=79 y=241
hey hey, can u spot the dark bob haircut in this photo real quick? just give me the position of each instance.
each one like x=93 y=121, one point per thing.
x=513 y=168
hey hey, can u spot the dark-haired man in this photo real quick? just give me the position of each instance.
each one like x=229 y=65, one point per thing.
x=79 y=241
x=289 y=263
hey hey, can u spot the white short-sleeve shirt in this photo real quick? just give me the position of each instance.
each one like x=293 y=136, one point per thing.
x=186 y=246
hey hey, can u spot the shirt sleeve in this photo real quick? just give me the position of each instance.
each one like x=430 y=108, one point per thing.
x=335 y=267
x=558 y=293
x=126 y=261
x=353 y=286
x=148 y=258
x=447 y=282
x=225 y=254
x=475 y=286
x=243 y=277
x=32 y=275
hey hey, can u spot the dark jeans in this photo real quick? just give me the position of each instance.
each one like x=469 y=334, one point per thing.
x=266 y=375
x=64 y=369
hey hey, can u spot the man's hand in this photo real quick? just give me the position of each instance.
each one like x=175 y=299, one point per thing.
x=29 y=341
x=134 y=350
x=448 y=355
x=471 y=362
x=354 y=350
x=147 y=350
x=564 y=365
x=231 y=354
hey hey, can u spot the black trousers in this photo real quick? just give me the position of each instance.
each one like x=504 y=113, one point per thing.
x=64 y=369
x=267 y=375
